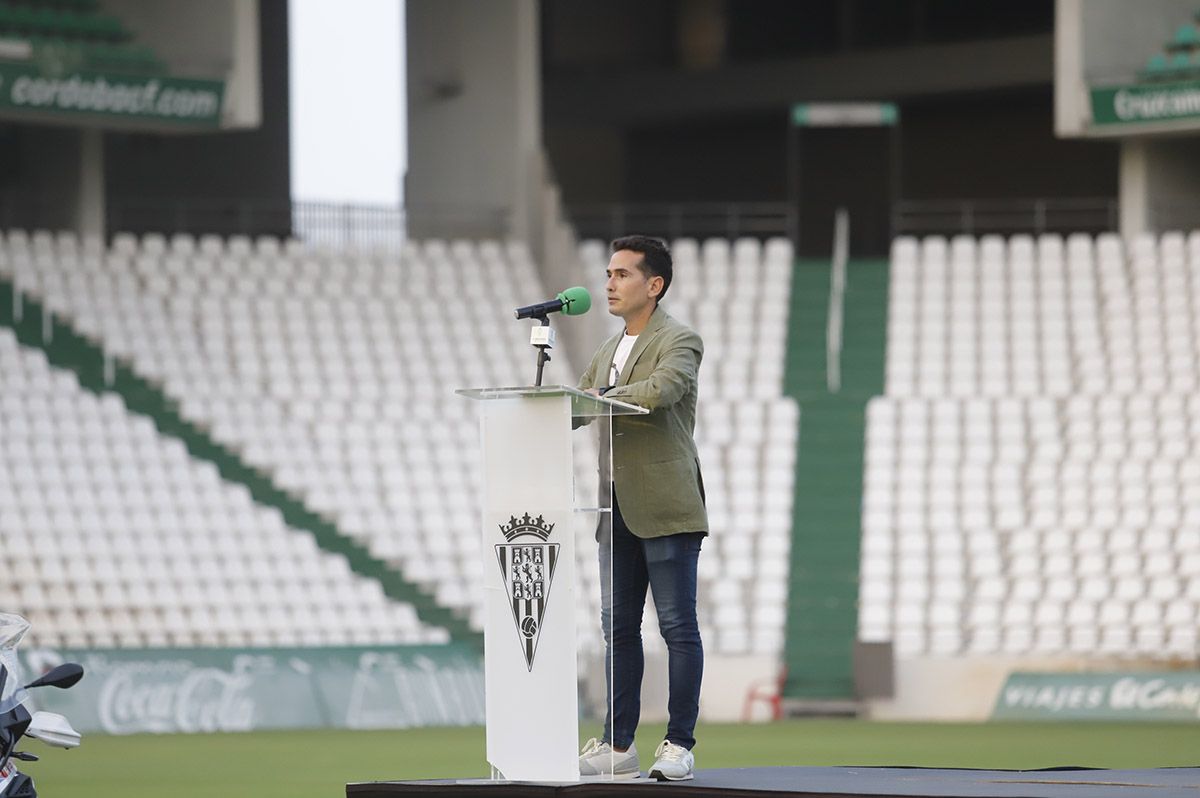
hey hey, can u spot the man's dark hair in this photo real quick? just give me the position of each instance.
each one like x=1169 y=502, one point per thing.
x=656 y=258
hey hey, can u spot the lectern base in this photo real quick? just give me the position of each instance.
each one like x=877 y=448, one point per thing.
x=843 y=782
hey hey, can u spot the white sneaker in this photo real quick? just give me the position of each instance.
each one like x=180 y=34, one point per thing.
x=599 y=759
x=673 y=763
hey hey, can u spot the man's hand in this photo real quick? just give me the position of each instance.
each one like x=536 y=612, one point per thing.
x=593 y=391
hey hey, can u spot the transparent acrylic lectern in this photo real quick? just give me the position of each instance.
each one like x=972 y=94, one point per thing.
x=534 y=513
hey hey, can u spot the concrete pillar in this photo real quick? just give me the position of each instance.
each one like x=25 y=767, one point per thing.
x=1159 y=184
x=476 y=167
x=1132 y=189
x=474 y=118
x=90 y=206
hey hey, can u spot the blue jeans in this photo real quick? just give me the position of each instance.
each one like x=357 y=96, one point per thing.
x=668 y=566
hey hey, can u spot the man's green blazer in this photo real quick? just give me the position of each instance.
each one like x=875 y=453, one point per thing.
x=656 y=470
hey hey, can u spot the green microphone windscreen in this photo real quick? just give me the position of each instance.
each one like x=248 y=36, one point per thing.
x=576 y=301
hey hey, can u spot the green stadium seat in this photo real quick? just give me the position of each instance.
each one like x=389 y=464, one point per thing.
x=79 y=22
x=1186 y=38
x=48 y=22
x=122 y=58
x=1160 y=67
x=16 y=19
x=110 y=28
x=143 y=58
x=74 y=36
x=1156 y=67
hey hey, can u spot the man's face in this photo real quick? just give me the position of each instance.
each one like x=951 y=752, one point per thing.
x=629 y=291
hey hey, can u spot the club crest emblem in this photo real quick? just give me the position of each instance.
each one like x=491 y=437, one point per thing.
x=527 y=568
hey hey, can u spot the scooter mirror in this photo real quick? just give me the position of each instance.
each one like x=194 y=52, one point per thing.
x=63 y=676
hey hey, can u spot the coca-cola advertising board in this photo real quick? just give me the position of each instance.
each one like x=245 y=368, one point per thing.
x=128 y=691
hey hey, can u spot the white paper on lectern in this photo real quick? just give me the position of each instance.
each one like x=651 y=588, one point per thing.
x=530 y=669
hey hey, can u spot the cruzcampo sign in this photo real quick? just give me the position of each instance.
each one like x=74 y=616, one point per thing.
x=130 y=691
x=94 y=96
x=1166 y=696
x=1146 y=104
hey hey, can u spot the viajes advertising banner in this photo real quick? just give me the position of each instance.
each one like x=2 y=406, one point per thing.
x=1153 y=103
x=220 y=690
x=185 y=102
x=1167 y=696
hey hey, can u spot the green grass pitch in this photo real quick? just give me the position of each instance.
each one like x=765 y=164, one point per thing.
x=317 y=764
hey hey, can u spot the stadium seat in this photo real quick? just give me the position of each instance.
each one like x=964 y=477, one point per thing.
x=302 y=360
x=1038 y=407
x=98 y=582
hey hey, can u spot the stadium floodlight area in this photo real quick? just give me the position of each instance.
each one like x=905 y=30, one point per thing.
x=333 y=372
x=1032 y=484
x=115 y=536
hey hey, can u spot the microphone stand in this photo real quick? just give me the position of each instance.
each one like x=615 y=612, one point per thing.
x=542 y=338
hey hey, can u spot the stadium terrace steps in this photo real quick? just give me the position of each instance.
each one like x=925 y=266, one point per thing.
x=806 y=329
x=823 y=599
x=864 y=334
x=66 y=349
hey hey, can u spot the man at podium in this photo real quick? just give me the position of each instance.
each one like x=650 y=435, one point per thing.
x=658 y=515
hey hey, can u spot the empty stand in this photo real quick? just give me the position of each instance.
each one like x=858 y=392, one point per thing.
x=1033 y=473
x=333 y=373
x=114 y=535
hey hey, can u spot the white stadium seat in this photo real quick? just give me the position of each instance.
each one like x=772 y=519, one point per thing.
x=1032 y=390
x=304 y=361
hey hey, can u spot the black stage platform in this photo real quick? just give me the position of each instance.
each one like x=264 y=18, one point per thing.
x=839 y=782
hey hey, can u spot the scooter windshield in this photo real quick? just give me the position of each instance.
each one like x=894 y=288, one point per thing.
x=12 y=629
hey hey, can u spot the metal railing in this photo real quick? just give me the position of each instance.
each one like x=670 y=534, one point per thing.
x=334 y=224
x=198 y=215
x=30 y=210
x=837 y=297
x=1005 y=216
x=908 y=217
x=382 y=226
x=1174 y=216
x=349 y=226
x=684 y=219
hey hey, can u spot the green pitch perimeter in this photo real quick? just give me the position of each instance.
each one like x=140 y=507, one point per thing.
x=300 y=764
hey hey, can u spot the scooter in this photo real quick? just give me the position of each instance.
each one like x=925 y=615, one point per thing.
x=16 y=721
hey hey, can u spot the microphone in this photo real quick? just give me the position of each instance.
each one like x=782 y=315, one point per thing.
x=572 y=302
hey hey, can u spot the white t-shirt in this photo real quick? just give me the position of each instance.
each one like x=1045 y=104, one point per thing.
x=620 y=356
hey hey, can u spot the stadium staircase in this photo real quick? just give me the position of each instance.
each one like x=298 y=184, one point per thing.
x=823 y=599
x=97 y=372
